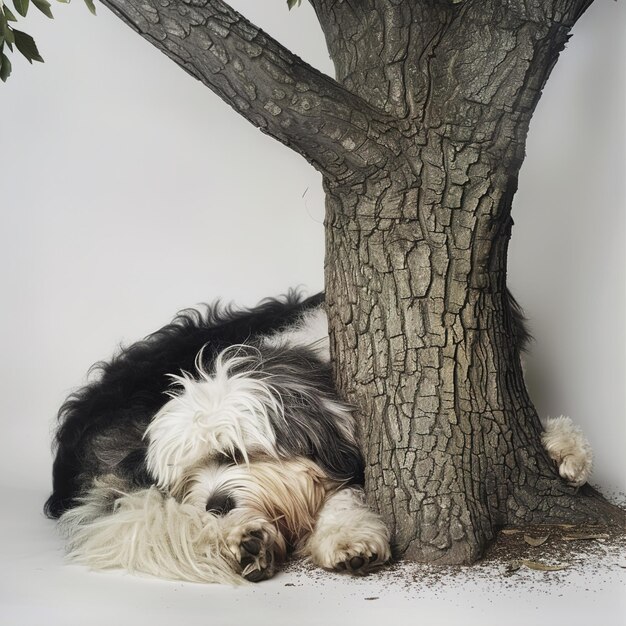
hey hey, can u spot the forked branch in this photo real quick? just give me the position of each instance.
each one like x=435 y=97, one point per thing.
x=270 y=86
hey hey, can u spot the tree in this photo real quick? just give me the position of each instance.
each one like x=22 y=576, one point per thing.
x=419 y=140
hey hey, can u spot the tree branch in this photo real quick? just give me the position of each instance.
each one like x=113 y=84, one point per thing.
x=336 y=131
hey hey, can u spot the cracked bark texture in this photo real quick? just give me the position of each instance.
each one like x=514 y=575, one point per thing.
x=419 y=139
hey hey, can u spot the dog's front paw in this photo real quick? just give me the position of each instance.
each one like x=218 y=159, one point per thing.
x=349 y=536
x=359 y=558
x=253 y=546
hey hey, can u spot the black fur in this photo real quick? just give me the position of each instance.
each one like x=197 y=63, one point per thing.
x=521 y=334
x=305 y=384
x=102 y=425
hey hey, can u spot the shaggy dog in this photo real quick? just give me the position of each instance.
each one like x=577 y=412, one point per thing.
x=217 y=446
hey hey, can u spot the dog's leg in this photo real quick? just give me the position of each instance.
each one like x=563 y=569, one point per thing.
x=255 y=543
x=568 y=448
x=348 y=535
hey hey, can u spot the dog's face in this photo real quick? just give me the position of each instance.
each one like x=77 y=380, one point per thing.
x=286 y=493
x=252 y=405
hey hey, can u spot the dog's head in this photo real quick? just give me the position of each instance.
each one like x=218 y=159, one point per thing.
x=255 y=427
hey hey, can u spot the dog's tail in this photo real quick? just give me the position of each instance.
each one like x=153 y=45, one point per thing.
x=147 y=532
x=521 y=334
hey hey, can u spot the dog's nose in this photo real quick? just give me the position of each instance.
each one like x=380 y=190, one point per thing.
x=220 y=503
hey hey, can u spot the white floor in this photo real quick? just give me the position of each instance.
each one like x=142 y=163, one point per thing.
x=37 y=587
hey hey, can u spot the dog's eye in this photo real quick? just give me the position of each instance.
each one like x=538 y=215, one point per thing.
x=233 y=458
x=220 y=503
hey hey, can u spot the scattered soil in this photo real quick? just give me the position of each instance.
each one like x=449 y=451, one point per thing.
x=542 y=558
x=565 y=544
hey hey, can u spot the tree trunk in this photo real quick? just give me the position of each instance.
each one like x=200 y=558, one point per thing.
x=419 y=139
x=416 y=263
x=422 y=345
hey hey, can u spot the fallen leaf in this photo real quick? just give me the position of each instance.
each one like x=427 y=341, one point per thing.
x=543 y=567
x=597 y=537
x=535 y=541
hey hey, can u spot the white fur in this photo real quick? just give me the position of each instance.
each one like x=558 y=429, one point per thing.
x=344 y=418
x=289 y=492
x=345 y=528
x=310 y=331
x=150 y=533
x=568 y=448
x=224 y=412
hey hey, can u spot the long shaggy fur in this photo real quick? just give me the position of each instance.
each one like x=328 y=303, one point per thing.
x=147 y=532
x=217 y=446
x=225 y=412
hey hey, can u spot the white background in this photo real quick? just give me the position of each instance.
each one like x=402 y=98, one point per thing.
x=128 y=191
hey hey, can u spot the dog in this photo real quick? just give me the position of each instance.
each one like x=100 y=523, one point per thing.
x=217 y=447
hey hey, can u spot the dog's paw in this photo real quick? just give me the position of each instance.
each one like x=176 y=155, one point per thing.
x=253 y=548
x=575 y=469
x=349 y=536
x=358 y=551
x=568 y=447
x=360 y=559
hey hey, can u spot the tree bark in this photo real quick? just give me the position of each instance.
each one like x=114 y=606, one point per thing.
x=423 y=347
x=419 y=139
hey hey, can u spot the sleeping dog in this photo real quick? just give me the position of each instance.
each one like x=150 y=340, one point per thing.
x=217 y=447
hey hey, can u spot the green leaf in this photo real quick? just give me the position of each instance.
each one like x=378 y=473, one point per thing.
x=293 y=3
x=9 y=14
x=21 y=6
x=6 y=30
x=26 y=45
x=5 y=68
x=64 y=1
x=91 y=6
x=44 y=7
x=2 y=42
